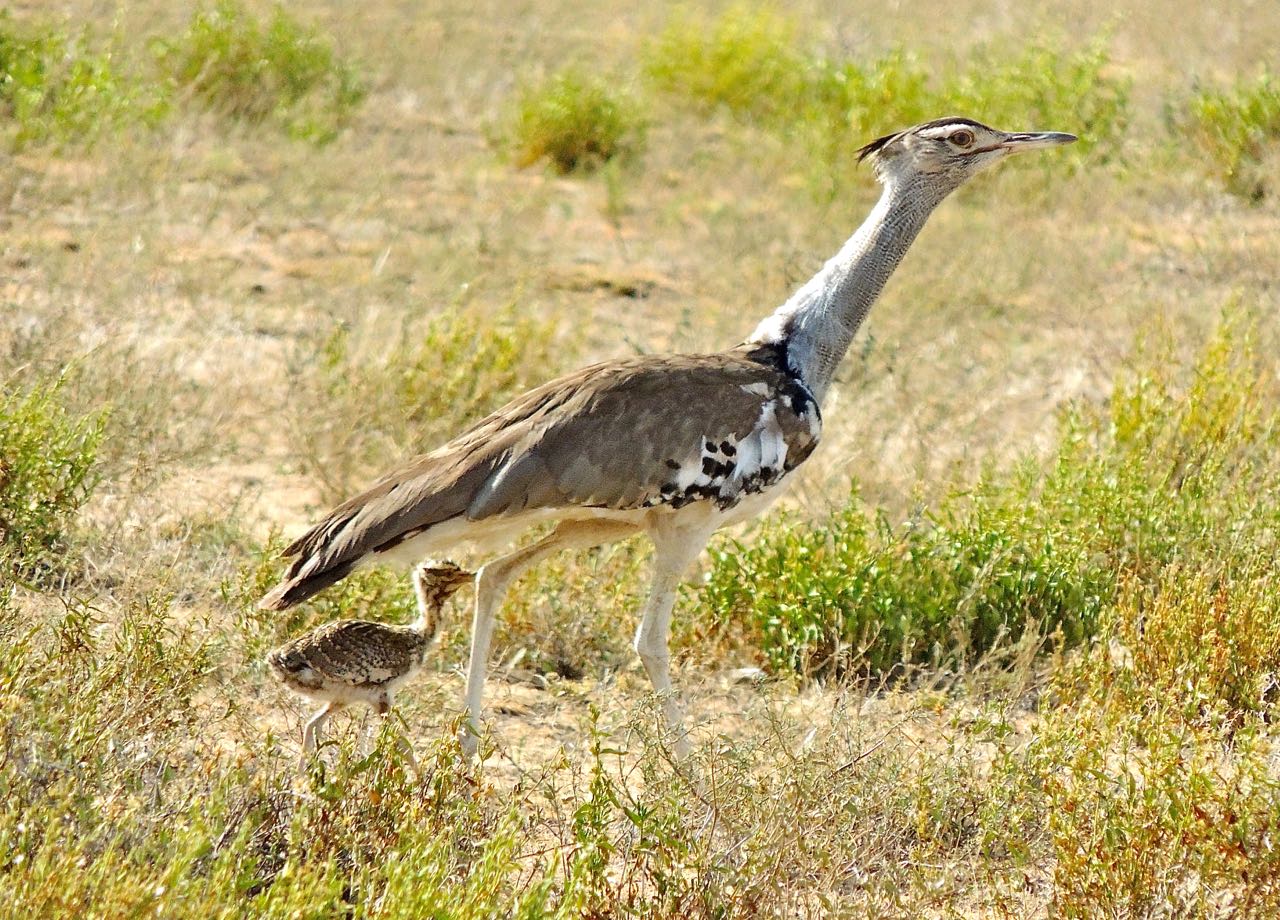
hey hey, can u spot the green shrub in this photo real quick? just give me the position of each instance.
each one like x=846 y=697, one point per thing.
x=239 y=67
x=1175 y=471
x=1146 y=783
x=1155 y=757
x=55 y=88
x=46 y=474
x=440 y=375
x=64 y=90
x=1206 y=643
x=575 y=121
x=857 y=592
x=1138 y=802
x=96 y=702
x=1236 y=127
x=746 y=61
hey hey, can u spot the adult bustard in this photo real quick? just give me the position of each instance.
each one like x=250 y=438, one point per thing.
x=675 y=446
x=356 y=661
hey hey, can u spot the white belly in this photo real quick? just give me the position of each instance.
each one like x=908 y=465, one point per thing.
x=495 y=536
x=489 y=537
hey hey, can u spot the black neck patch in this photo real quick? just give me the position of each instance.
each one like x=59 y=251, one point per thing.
x=795 y=391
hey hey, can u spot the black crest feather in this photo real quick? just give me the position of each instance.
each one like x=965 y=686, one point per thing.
x=876 y=145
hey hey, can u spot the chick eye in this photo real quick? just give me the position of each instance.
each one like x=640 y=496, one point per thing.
x=962 y=138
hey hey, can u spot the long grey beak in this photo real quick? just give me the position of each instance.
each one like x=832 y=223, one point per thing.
x=1036 y=140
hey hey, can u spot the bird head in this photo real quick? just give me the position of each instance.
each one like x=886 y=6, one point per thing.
x=947 y=152
x=443 y=577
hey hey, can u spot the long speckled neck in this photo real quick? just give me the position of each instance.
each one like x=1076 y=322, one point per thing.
x=817 y=324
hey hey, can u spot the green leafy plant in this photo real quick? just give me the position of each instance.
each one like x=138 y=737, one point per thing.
x=1171 y=472
x=46 y=473
x=575 y=121
x=1236 y=127
x=1138 y=793
x=60 y=89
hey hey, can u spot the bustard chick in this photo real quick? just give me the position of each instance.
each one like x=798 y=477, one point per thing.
x=672 y=446
x=358 y=661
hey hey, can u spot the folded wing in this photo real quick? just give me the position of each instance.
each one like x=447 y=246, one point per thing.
x=624 y=435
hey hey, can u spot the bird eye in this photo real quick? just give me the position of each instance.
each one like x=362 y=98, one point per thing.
x=962 y=138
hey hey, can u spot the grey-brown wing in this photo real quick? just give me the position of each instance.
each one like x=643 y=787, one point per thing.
x=711 y=429
x=624 y=434
x=415 y=497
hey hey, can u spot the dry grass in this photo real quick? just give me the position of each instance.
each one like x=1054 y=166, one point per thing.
x=265 y=322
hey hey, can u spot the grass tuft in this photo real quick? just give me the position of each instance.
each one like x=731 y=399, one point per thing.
x=746 y=61
x=1237 y=127
x=280 y=70
x=574 y=120
x=750 y=62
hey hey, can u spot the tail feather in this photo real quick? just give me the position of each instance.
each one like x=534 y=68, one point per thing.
x=297 y=588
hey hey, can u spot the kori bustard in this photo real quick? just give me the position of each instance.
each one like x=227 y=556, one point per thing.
x=356 y=661
x=674 y=446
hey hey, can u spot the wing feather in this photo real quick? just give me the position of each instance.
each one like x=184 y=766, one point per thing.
x=618 y=435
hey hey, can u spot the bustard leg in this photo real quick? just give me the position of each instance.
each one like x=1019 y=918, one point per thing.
x=381 y=707
x=675 y=549
x=492 y=582
x=312 y=731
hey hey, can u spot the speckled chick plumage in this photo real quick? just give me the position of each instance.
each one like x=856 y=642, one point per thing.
x=350 y=661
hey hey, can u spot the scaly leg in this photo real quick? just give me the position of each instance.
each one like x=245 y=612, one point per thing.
x=369 y=727
x=675 y=549
x=492 y=582
x=312 y=731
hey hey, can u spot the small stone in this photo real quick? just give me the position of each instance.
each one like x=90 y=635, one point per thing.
x=746 y=676
x=526 y=677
